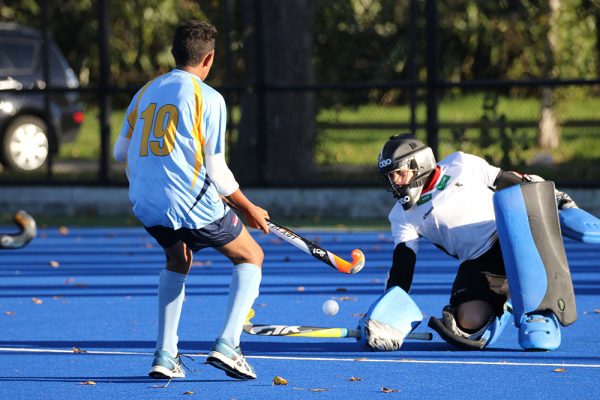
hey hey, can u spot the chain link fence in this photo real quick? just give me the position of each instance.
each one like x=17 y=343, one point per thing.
x=499 y=120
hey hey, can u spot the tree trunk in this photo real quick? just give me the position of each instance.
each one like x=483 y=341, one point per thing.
x=549 y=128
x=277 y=128
x=291 y=115
x=245 y=154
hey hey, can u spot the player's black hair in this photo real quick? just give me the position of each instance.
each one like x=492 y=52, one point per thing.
x=192 y=41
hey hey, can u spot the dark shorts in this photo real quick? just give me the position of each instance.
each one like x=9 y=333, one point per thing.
x=482 y=278
x=217 y=234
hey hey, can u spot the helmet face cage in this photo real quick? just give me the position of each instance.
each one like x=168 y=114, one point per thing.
x=400 y=152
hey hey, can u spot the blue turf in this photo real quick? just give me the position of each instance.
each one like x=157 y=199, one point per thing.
x=102 y=298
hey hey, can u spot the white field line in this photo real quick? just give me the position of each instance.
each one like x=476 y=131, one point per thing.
x=334 y=359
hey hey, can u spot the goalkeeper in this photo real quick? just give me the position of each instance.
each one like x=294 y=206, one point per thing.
x=503 y=228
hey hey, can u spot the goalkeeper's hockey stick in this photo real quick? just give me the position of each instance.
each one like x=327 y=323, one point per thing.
x=317 y=332
x=314 y=331
x=27 y=231
x=358 y=258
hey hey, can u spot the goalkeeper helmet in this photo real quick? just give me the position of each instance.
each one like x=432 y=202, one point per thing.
x=409 y=157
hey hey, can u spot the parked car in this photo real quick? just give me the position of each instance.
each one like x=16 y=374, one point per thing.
x=26 y=139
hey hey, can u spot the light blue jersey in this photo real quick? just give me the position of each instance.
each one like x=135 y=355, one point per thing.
x=171 y=122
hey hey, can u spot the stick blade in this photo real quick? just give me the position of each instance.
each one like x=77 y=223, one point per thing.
x=358 y=262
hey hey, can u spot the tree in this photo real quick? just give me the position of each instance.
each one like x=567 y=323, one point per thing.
x=284 y=34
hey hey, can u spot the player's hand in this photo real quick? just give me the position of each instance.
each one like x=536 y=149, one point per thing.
x=256 y=218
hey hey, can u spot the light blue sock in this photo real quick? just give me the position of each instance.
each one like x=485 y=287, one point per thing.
x=171 y=292
x=245 y=282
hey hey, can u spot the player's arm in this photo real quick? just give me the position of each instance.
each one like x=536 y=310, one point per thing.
x=217 y=168
x=122 y=144
x=255 y=216
x=509 y=178
x=403 y=267
x=227 y=186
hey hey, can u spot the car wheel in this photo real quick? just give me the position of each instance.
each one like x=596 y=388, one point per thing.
x=25 y=145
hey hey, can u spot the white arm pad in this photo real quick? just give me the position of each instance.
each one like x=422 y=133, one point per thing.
x=220 y=174
x=120 y=149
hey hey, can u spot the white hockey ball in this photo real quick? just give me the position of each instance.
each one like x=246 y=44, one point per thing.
x=331 y=307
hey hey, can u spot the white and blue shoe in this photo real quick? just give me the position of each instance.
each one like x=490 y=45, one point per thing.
x=539 y=331
x=231 y=360
x=166 y=367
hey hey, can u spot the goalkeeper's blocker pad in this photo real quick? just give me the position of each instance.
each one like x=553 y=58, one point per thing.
x=580 y=225
x=389 y=320
x=534 y=255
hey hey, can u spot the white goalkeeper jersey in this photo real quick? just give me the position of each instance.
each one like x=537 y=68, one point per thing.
x=171 y=122
x=455 y=211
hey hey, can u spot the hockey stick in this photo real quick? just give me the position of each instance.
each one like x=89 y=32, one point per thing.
x=358 y=258
x=27 y=231
x=314 y=331
x=335 y=262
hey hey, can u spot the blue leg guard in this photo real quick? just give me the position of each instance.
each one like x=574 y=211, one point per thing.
x=494 y=329
x=580 y=225
x=389 y=320
x=535 y=262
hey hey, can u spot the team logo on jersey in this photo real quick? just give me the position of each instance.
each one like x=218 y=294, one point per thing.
x=424 y=199
x=427 y=213
x=235 y=220
x=443 y=182
x=384 y=163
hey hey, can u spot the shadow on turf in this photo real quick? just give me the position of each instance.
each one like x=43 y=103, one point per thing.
x=156 y=383
x=310 y=347
x=414 y=350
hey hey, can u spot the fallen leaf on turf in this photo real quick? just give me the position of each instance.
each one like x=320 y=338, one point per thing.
x=359 y=315
x=300 y=289
x=318 y=390
x=278 y=380
x=201 y=263
x=77 y=350
x=149 y=245
x=347 y=298
x=341 y=289
x=596 y=311
x=161 y=386
x=262 y=305
x=388 y=390
x=354 y=379
x=54 y=264
x=63 y=230
x=56 y=297
x=275 y=241
x=87 y=383
x=188 y=392
x=69 y=281
x=560 y=370
x=9 y=313
x=36 y=300
x=360 y=359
